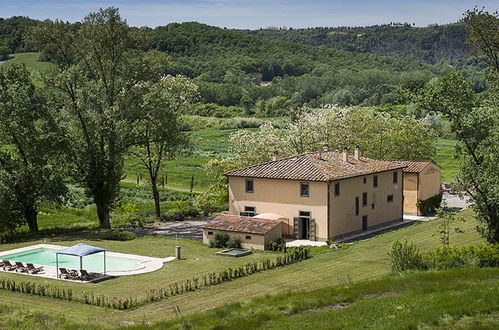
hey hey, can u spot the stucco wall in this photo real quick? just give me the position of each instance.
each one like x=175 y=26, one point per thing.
x=342 y=218
x=259 y=242
x=410 y=193
x=281 y=197
x=429 y=182
x=421 y=186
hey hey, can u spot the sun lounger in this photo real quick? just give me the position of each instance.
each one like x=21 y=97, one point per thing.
x=20 y=267
x=68 y=274
x=84 y=275
x=8 y=266
x=34 y=270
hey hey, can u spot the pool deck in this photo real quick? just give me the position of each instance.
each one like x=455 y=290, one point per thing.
x=147 y=264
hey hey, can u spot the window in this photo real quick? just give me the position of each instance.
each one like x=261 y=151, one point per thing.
x=248 y=238
x=364 y=180
x=304 y=214
x=249 y=211
x=210 y=233
x=304 y=189
x=249 y=185
x=375 y=181
x=389 y=198
x=356 y=205
x=395 y=177
x=364 y=199
x=372 y=206
x=336 y=189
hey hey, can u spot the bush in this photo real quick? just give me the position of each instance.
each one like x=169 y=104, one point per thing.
x=219 y=240
x=234 y=243
x=277 y=245
x=119 y=236
x=406 y=256
x=429 y=205
x=467 y=256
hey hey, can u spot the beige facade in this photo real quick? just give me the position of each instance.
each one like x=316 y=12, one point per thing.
x=334 y=216
x=248 y=240
x=420 y=186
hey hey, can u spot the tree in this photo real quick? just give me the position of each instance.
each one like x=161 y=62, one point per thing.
x=158 y=132
x=4 y=53
x=378 y=134
x=476 y=126
x=30 y=159
x=483 y=30
x=99 y=75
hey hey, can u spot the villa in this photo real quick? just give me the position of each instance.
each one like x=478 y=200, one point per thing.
x=326 y=194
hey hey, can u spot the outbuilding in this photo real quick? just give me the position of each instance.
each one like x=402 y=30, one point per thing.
x=421 y=186
x=254 y=233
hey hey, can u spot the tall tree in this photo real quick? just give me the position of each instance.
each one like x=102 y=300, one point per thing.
x=158 y=134
x=32 y=144
x=475 y=123
x=99 y=74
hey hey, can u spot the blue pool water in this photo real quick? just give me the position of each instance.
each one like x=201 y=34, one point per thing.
x=91 y=263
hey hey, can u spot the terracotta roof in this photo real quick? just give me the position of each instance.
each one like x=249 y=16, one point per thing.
x=414 y=166
x=228 y=222
x=312 y=166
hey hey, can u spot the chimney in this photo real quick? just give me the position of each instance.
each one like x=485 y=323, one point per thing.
x=345 y=155
x=357 y=152
x=275 y=155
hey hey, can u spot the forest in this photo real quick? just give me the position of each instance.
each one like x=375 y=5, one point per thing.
x=240 y=73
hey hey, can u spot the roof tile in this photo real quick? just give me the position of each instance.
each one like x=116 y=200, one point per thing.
x=228 y=222
x=315 y=166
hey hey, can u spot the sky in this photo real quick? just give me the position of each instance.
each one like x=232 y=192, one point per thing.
x=253 y=14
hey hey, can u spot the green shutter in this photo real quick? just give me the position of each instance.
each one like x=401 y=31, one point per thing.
x=296 y=221
x=311 y=230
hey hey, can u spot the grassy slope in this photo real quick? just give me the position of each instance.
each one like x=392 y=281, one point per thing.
x=29 y=59
x=446 y=160
x=393 y=302
x=359 y=261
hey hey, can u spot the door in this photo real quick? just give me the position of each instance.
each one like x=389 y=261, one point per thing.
x=364 y=223
x=305 y=228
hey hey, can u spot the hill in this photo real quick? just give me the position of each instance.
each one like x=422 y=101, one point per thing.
x=433 y=44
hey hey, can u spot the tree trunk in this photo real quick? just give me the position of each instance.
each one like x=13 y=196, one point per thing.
x=31 y=215
x=103 y=214
x=155 y=196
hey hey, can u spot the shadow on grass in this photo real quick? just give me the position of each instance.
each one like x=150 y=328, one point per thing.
x=58 y=234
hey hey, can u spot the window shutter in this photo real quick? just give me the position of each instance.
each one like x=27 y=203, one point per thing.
x=296 y=221
x=311 y=230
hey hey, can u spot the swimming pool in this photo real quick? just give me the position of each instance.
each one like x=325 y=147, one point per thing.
x=92 y=263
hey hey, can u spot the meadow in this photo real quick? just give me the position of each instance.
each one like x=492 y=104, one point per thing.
x=350 y=264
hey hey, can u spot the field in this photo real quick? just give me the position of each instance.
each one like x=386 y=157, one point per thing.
x=413 y=300
x=446 y=159
x=350 y=263
x=30 y=60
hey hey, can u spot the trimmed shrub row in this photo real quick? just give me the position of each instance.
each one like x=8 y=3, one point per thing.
x=172 y=289
x=296 y=255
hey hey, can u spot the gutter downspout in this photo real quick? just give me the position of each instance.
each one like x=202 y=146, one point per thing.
x=328 y=210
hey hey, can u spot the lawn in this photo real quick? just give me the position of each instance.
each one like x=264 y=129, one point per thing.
x=413 y=300
x=356 y=262
x=30 y=60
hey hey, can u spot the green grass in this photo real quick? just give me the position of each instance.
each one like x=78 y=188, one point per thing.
x=446 y=160
x=30 y=60
x=413 y=300
x=365 y=260
x=207 y=144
